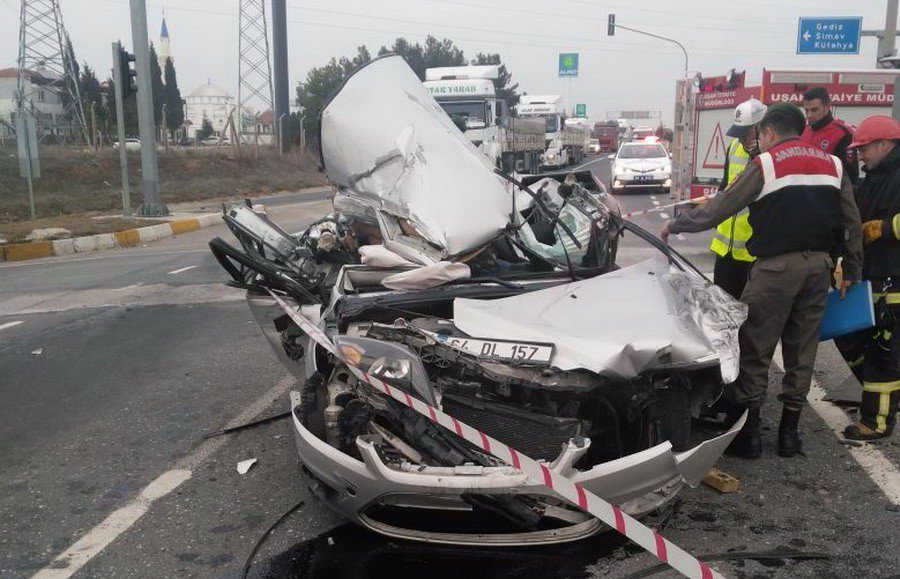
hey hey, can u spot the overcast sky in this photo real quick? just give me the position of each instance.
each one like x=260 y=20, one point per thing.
x=621 y=72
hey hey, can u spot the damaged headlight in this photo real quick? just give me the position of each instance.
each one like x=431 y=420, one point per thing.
x=393 y=363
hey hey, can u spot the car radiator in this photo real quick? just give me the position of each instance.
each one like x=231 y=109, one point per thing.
x=538 y=436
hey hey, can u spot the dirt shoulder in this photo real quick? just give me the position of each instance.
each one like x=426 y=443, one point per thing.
x=77 y=185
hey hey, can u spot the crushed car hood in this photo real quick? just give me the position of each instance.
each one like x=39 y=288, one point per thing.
x=388 y=144
x=618 y=324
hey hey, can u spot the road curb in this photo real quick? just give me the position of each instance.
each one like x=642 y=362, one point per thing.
x=127 y=238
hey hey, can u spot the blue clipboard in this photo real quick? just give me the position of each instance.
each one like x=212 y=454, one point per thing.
x=843 y=316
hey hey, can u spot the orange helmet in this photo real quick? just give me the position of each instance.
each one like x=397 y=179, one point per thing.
x=875 y=128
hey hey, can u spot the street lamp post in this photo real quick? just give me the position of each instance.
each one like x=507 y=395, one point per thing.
x=611 y=30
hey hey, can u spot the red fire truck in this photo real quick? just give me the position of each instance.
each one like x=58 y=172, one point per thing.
x=705 y=107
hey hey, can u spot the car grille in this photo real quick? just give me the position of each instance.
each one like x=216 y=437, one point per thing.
x=540 y=437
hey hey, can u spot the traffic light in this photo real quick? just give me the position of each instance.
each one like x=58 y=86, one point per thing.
x=611 y=28
x=128 y=74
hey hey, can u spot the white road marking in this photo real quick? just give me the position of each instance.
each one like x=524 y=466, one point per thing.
x=655 y=202
x=680 y=236
x=664 y=216
x=76 y=556
x=11 y=324
x=653 y=197
x=591 y=162
x=137 y=295
x=91 y=544
x=177 y=271
x=875 y=464
x=110 y=254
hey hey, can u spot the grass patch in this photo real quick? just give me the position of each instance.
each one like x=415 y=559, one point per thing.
x=82 y=181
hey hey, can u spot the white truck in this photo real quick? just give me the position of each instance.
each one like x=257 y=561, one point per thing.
x=566 y=140
x=467 y=95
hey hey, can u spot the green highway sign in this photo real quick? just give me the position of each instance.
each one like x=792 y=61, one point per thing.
x=568 y=64
x=581 y=110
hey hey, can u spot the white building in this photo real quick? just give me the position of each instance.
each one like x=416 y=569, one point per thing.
x=164 y=52
x=208 y=101
x=44 y=96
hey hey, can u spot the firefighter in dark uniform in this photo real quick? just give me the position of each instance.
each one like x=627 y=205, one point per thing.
x=801 y=210
x=828 y=133
x=874 y=354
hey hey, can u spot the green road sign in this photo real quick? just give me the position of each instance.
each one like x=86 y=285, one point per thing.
x=568 y=64
x=581 y=110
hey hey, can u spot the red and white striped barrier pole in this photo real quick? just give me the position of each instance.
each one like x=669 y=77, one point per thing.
x=651 y=541
x=664 y=207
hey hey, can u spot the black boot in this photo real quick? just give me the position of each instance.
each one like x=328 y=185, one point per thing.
x=788 y=440
x=747 y=443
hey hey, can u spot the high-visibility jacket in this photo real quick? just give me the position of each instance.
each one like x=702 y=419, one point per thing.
x=732 y=235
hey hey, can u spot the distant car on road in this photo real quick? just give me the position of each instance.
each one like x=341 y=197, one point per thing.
x=593 y=146
x=642 y=165
x=641 y=133
x=130 y=144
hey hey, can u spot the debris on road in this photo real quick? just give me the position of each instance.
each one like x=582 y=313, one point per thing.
x=258 y=422
x=48 y=234
x=721 y=481
x=259 y=543
x=244 y=465
x=38 y=352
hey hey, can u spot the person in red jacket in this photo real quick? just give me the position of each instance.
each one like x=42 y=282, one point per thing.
x=828 y=133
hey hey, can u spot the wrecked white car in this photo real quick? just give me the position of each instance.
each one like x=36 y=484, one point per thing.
x=498 y=302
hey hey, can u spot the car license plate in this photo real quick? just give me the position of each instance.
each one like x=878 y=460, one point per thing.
x=531 y=353
x=643 y=177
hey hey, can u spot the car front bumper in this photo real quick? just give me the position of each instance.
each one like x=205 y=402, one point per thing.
x=631 y=181
x=360 y=490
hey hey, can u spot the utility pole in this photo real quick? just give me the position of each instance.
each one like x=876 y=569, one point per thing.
x=886 y=56
x=887 y=43
x=887 y=38
x=279 y=47
x=44 y=49
x=254 y=67
x=119 y=81
x=887 y=50
x=151 y=206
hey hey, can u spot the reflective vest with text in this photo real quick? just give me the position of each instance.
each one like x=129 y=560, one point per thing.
x=732 y=235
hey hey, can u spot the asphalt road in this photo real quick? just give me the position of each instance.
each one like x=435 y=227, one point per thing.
x=124 y=359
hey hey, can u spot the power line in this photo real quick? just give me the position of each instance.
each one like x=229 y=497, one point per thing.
x=562 y=42
x=493 y=30
x=669 y=13
x=582 y=18
x=565 y=42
